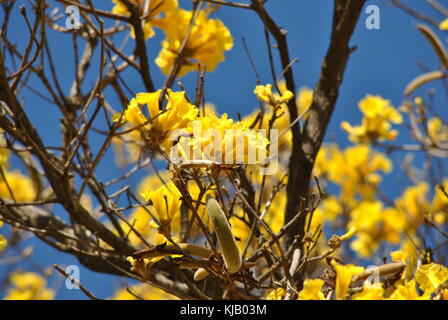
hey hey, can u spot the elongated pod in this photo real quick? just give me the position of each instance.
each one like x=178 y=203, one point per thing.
x=200 y=274
x=436 y=43
x=230 y=252
x=423 y=79
x=170 y=249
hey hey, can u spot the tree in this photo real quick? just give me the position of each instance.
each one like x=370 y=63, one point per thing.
x=257 y=207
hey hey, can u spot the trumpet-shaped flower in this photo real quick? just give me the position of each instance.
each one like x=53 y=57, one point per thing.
x=369 y=293
x=158 y=128
x=156 y=9
x=207 y=41
x=344 y=274
x=376 y=123
x=312 y=290
x=264 y=93
x=166 y=203
x=407 y=291
x=143 y=291
x=276 y=294
x=430 y=276
x=355 y=170
x=282 y=119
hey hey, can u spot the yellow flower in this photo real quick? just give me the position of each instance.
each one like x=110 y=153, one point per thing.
x=142 y=291
x=158 y=129
x=430 y=276
x=399 y=256
x=354 y=170
x=208 y=40
x=222 y=140
x=439 y=204
x=444 y=24
x=155 y=10
x=3 y=241
x=264 y=93
x=375 y=225
x=437 y=130
x=282 y=122
x=305 y=99
x=277 y=294
x=407 y=291
x=312 y=290
x=413 y=201
x=166 y=203
x=376 y=123
x=19 y=185
x=28 y=286
x=371 y=293
x=344 y=274
x=331 y=208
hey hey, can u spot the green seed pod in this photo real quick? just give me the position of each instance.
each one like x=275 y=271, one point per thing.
x=230 y=251
x=200 y=274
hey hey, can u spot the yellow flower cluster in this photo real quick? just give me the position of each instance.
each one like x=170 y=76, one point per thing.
x=166 y=203
x=376 y=124
x=157 y=129
x=264 y=93
x=220 y=139
x=28 y=286
x=13 y=184
x=375 y=225
x=354 y=169
x=304 y=99
x=156 y=9
x=207 y=41
x=429 y=278
x=414 y=203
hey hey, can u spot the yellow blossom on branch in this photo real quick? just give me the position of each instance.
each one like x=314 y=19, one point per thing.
x=444 y=24
x=312 y=290
x=407 y=291
x=28 y=286
x=157 y=129
x=166 y=203
x=437 y=130
x=355 y=170
x=3 y=241
x=142 y=291
x=376 y=123
x=344 y=274
x=153 y=13
x=207 y=41
x=277 y=294
x=369 y=293
x=430 y=276
x=264 y=93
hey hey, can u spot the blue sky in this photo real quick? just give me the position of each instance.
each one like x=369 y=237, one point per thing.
x=384 y=62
